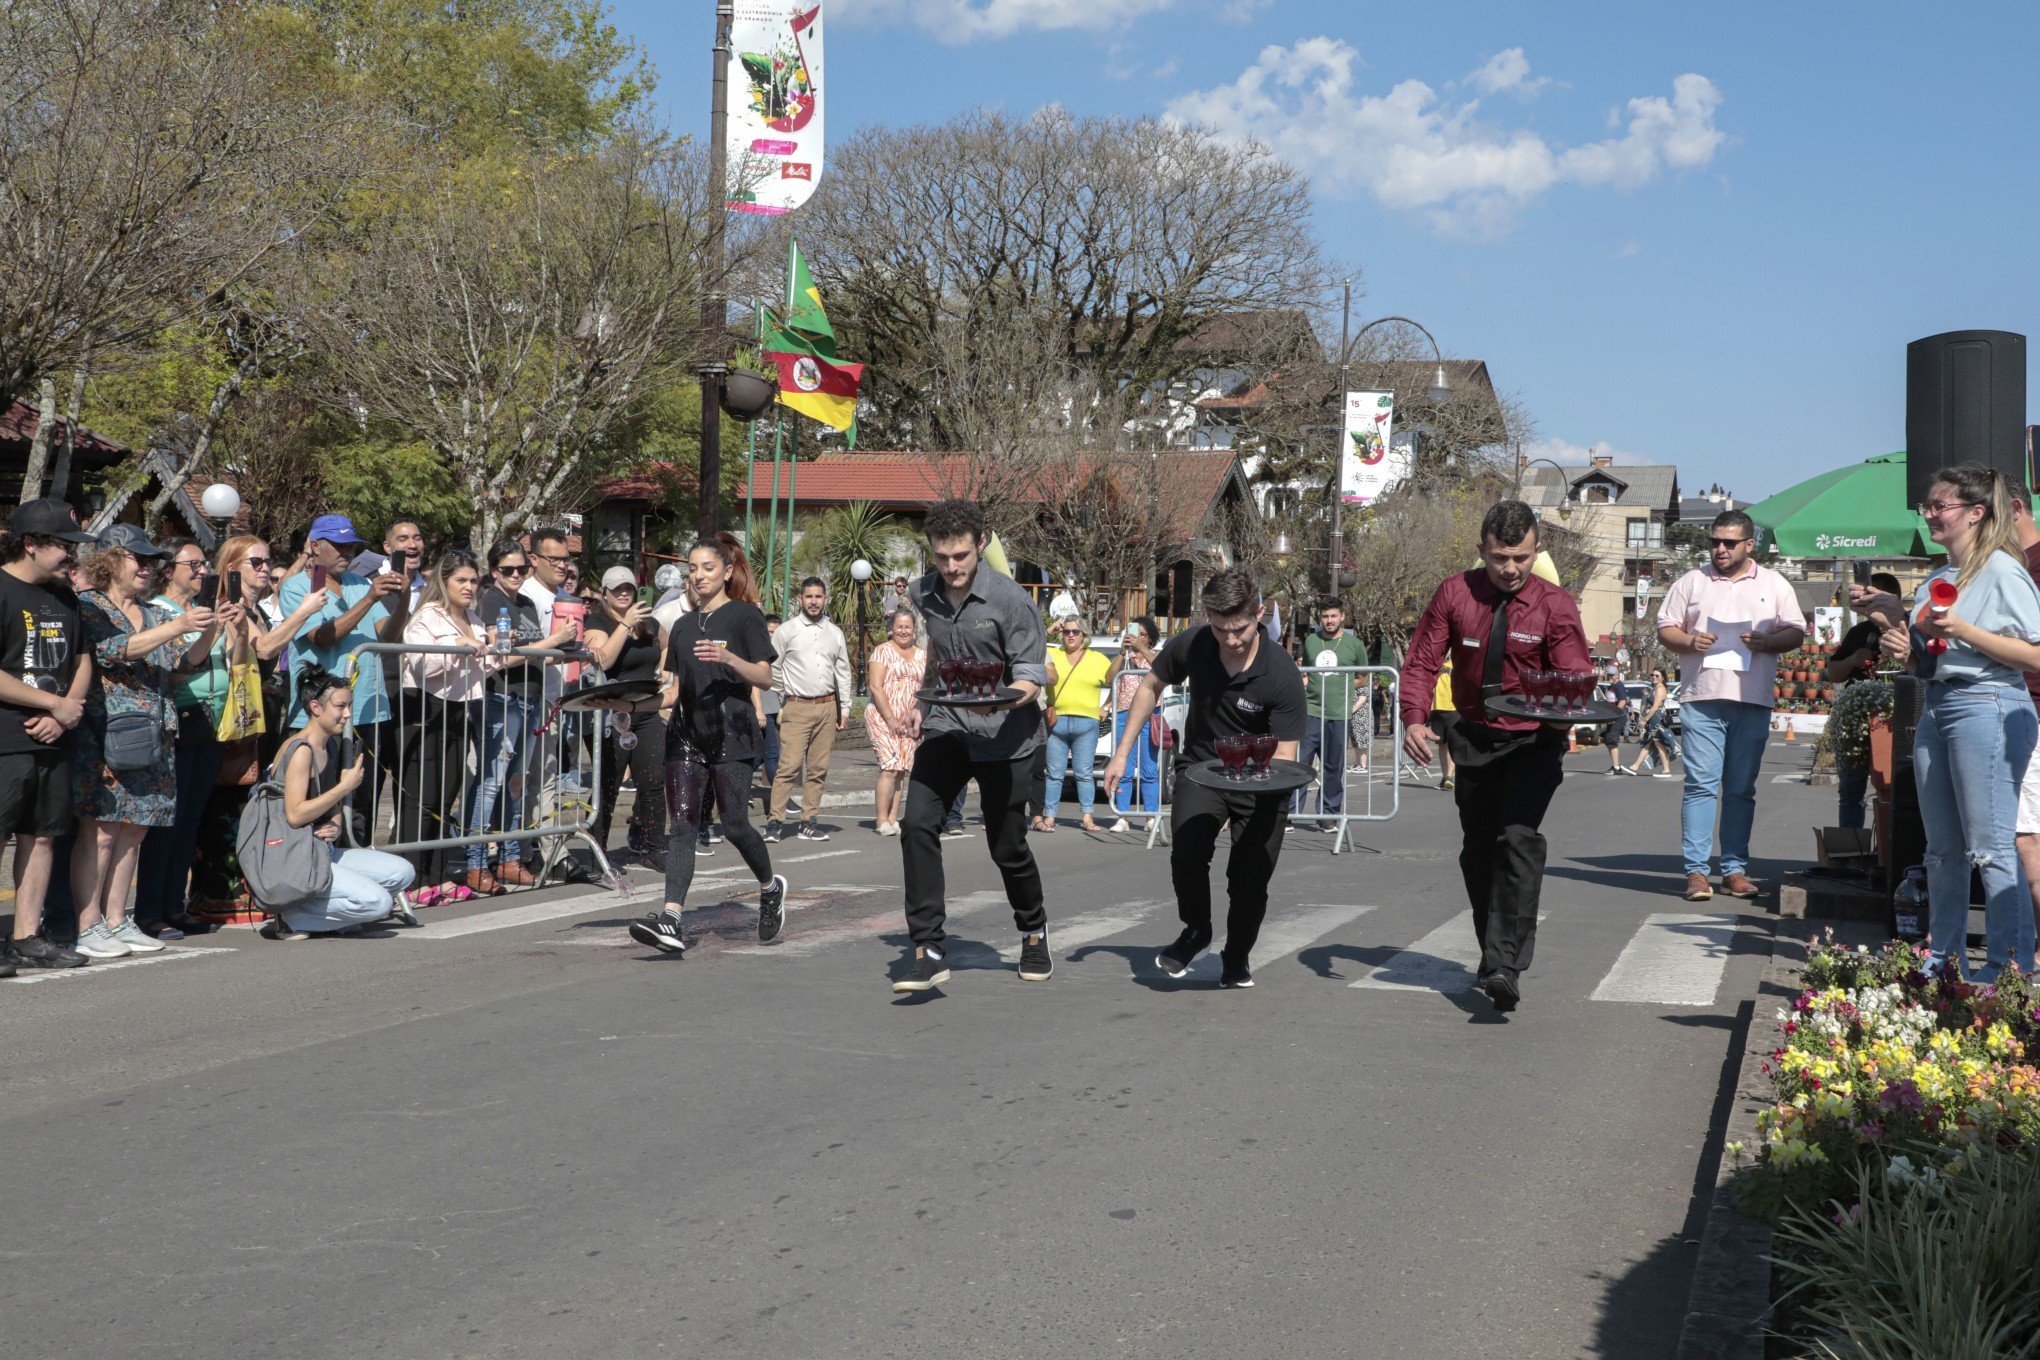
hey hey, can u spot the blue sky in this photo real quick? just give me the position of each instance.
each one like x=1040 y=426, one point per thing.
x=1697 y=235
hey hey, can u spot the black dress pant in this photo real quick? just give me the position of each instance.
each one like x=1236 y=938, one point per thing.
x=384 y=744
x=646 y=762
x=942 y=769
x=1195 y=819
x=432 y=792
x=1501 y=805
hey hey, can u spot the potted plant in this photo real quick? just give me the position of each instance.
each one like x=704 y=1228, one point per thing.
x=1861 y=723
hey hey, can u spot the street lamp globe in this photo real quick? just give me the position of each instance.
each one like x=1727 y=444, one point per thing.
x=1441 y=388
x=860 y=571
x=220 y=501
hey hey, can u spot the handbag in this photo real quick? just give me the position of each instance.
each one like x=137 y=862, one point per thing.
x=240 y=763
x=134 y=741
x=241 y=711
x=282 y=864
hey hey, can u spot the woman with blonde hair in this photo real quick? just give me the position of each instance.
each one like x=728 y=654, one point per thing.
x=1978 y=729
x=123 y=788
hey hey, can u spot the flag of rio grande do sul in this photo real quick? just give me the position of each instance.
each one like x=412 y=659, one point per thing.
x=818 y=388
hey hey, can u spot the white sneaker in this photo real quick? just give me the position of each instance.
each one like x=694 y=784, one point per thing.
x=97 y=942
x=130 y=934
x=1119 y=825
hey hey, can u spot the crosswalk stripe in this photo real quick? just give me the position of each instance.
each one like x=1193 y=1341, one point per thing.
x=809 y=859
x=1280 y=937
x=1063 y=936
x=170 y=954
x=809 y=942
x=1675 y=958
x=1443 y=961
x=535 y=914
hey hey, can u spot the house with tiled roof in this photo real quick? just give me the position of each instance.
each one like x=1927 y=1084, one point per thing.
x=1619 y=512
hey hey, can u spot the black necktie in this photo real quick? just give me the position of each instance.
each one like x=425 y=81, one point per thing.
x=1497 y=645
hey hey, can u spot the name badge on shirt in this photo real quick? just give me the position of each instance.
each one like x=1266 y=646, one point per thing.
x=1246 y=705
x=1469 y=642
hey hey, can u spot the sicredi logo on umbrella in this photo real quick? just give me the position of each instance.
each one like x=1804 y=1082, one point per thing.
x=1826 y=542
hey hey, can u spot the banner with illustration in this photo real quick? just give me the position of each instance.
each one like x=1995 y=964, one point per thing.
x=774 y=139
x=1370 y=460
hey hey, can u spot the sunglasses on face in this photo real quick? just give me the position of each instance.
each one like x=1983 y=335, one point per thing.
x=1728 y=542
x=259 y=563
x=519 y=570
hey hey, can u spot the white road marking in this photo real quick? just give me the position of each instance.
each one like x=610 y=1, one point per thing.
x=1074 y=933
x=1280 y=937
x=1675 y=958
x=809 y=859
x=581 y=904
x=812 y=942
x=1445 y=960
x=170 y=954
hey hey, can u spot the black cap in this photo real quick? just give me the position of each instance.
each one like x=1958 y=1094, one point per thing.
x=48 y=518
x=131 y=540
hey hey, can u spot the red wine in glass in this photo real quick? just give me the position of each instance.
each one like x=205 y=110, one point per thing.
x=1264 y=754
x=950 y=668
x=1536 y=684
x=1232 y=755
x=990 y=675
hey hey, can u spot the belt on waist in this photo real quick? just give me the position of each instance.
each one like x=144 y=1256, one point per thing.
x=811 y=698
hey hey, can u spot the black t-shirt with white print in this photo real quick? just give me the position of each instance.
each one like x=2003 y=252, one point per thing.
x=38 y=646
x=1264 y=699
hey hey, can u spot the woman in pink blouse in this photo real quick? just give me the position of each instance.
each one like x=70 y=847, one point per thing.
x=448 y=687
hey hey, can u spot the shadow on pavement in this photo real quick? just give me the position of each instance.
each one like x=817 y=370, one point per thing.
x=1663 y=875
x=1644 y=1308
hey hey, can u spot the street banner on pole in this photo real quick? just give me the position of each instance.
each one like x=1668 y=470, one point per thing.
x=774 y=143
x=1642 y=595
x=1368 y=463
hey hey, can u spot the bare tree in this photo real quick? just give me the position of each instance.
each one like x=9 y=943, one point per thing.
x=509 y=324
x=152 y=153
x=1125 y=239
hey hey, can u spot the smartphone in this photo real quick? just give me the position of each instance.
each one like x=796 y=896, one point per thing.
x=208 y=596
x=234 y=587
x=400 y=563
x=644 y=596
x=1860 y=570
x=318 y=578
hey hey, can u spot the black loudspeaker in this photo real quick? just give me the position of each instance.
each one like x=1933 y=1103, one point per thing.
x=1965 y=402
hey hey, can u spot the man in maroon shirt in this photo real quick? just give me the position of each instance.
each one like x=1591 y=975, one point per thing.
x=1496 y=622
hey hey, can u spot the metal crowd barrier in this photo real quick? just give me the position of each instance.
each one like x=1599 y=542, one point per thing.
x=457 y=778
x=1381 y=782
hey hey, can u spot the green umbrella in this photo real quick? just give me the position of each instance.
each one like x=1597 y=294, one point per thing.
x=1858 y=511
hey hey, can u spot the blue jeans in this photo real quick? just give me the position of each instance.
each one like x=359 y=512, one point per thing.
x=1968 y=757
x=1323 y=738
x=365 y=883
x=771 y=762
x=1071 y=737
x=1852 y=781
x=506 y=753
x=1143 y=765
x=1724 y=742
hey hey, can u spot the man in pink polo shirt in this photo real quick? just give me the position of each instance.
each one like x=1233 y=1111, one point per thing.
x=1728 y=621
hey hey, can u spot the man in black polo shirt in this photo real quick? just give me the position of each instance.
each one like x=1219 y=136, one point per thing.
x=1240 y=683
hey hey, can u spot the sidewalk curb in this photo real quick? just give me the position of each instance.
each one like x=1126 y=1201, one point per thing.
x=1730 y=1300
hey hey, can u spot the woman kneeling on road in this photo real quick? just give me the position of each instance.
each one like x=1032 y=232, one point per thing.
x=368 y=885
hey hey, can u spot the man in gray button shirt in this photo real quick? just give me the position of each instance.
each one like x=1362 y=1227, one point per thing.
x=975 y=612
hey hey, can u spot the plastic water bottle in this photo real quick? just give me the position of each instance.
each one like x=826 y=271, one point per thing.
x=504 y=630
x=1909 y=906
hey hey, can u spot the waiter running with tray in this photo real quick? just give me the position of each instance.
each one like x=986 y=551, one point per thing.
x=1243 y=689
x=1498 y=623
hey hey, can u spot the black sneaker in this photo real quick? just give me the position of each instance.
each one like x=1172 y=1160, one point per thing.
x=1503 y=991
x=6 y=964
x=924 y=973
x=634 y=840
x=1035 y=964
x=812 y=831
x=660 y=930
x=1177 y=958
x=1232 y=974
x=953 y=831
x=771 y=908
x=36 y=952
x=773 y=831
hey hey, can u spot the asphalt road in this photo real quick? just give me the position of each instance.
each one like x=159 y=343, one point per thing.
x=506 y=1136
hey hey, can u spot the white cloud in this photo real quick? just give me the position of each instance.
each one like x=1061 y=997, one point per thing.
x=1508 y=70
x=1579 y=455
x=967 y=20
x=1241 y=11
x=1414 y=152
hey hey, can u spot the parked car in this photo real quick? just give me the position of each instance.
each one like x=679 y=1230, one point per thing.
x=1174 y=708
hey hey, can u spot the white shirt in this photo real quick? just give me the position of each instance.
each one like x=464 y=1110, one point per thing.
x=541 y=597
x=814 y=660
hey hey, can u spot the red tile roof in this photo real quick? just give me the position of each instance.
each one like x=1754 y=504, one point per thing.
x=18 y=420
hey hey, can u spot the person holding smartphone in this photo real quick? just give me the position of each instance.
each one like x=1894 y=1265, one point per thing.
x=1855 y=659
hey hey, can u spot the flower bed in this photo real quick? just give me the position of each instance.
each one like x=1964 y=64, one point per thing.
x=1891 y=1081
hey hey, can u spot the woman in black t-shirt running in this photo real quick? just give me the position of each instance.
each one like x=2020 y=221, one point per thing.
x=715 y=656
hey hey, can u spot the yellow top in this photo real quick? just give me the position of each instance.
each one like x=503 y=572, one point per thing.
x=1079 y=690
x=1441 y=694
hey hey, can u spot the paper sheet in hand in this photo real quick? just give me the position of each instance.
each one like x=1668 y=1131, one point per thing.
x=1728 y=652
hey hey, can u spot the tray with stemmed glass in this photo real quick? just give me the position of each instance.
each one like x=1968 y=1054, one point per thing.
x=1247 y=764
x=1552 y=696
x=967 y=683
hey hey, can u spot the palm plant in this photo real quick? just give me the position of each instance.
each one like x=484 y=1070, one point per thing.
x=835 y=539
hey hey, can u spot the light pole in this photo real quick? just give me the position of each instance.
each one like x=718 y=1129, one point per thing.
x=860 y=572
x=220 y=503
x=1441 y=388
x=1523 y=465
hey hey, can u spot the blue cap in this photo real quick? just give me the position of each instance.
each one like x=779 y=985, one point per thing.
x=333 y=529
